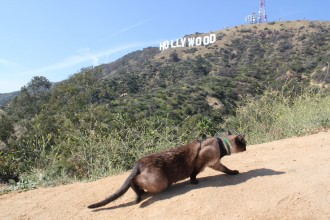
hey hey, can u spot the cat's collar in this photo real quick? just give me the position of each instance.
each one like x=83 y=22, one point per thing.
x=224 y=146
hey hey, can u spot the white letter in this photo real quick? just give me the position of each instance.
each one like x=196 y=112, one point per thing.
x=213 y=38
x=198 y=41
x=166 y=44
x=161 y=46
x=191 y=42
x=206 y=40
x=183 y=42
x=172 y=44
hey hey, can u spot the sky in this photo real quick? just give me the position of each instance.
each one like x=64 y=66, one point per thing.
x=56 y=38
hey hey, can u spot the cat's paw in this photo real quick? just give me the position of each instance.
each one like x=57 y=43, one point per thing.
x=233 y=172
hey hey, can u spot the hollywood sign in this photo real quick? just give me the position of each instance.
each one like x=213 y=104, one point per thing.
x=188 y=42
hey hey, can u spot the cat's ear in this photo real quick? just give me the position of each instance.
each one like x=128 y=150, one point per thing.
x=240 y=139
x=228 y=133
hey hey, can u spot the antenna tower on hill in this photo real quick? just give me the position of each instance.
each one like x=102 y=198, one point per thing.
x=260 y=17
x=262 y=12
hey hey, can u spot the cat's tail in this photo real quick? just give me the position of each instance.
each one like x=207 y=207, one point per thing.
x=123 y=189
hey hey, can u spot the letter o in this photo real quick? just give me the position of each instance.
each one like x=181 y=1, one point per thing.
x=206 y=40
x=198 y=41
x=213 y=38
x=166 y=44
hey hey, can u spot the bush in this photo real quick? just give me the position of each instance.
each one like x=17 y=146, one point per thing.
x=95 y=149
x=276 y=116
x=8 y=167
x=174 y=57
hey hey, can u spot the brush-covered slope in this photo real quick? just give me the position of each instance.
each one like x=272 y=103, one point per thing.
x=208 y=80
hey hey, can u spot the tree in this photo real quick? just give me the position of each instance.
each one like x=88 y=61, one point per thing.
x=38 y=84
x=31 y=98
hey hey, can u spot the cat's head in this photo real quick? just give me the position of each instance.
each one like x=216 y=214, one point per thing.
x=237 y=142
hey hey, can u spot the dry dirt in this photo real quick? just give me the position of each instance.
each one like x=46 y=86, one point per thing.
x=286 y=179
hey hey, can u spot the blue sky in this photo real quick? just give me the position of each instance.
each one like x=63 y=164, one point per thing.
x=56 y=38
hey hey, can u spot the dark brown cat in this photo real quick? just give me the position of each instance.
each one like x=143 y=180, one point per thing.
x=155 y=172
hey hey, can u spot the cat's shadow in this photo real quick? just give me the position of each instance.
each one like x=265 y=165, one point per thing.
x=210 y=181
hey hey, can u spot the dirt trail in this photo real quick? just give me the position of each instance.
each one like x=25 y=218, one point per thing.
x=286 y=179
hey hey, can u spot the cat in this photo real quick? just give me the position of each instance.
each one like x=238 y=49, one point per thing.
x=156 y=172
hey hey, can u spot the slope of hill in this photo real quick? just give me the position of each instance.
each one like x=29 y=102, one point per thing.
x=284 y=179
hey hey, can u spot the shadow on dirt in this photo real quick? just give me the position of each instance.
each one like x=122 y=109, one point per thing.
x=210 y=181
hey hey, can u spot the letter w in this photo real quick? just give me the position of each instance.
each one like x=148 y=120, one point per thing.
x=191 y=42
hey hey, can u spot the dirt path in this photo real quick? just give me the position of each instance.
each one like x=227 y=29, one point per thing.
x=287 y=179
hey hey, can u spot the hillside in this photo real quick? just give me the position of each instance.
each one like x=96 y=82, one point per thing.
x=100 y=120
x=5 y=98
x=286 y=179
x=244 y=61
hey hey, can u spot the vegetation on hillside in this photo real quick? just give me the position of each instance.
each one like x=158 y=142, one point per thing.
x=100 y=120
